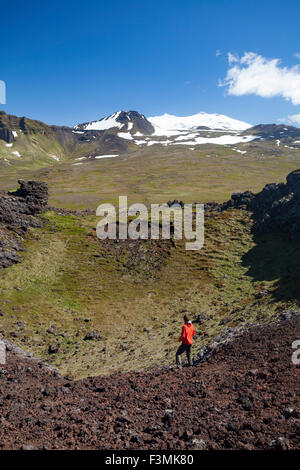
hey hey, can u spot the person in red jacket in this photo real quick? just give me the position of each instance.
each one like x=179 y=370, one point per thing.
x=187 y=334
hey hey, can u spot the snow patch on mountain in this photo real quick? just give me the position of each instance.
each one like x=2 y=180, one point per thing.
x=170 y=125
x=103 y=124
x=125 y=135
x=222 y=140
x=106 y=156
x=54 y=157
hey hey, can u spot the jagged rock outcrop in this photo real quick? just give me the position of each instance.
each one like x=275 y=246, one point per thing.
x=6 y=134
x=34 y=194
x=139 y=121
x=18 y=211
x=238 y=200
x=275 y=208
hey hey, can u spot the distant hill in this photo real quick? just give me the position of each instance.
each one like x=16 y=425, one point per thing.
x=274 y=132
x=24 y=140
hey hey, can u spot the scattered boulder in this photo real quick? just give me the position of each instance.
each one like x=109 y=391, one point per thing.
x=52 y=330
x=175 y=203
x=201 y=318
x=92 y=336
x=168 y=417
x=198 y=444
x=288 y=412
x=279 y=443
x=224 y=321
x=53 y=348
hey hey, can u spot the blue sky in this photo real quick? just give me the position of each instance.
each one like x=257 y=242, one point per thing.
x=66 y=61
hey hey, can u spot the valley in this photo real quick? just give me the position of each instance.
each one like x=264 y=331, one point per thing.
x=89 y=308
x=150 y=231
x=83 y=173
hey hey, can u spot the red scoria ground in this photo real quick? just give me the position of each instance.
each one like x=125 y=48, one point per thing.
x=246 y=396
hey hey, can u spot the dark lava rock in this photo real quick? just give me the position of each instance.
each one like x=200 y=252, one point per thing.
x=52 y=330
x=92 y=335
x=275 y=208
x=169 y=417
x=201 y=318
x=224 y=321
x=19 y=210
x=279 y=443
x=288 y=412
x=53 y=348
x=239 y=200
x=175 y=203
x=34 y=194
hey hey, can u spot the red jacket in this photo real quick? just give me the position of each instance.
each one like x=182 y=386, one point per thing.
x=187 y=334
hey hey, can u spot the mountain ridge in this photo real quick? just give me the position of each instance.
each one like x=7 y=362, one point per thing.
x=168 y=129
x=163 y=124
x=25 y=140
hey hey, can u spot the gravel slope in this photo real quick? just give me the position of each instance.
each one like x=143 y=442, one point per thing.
x=244 y=396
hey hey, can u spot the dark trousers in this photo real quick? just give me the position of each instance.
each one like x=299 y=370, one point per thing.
x=187 y=348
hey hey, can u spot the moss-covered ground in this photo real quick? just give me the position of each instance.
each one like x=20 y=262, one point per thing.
x=135 y=294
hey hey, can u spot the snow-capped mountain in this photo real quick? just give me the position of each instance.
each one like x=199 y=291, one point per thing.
x=126 y=121
x=168 y=124
x=201 y=128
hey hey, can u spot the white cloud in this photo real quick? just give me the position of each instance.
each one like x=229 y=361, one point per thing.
x=297 y=54
x=290 y=120
x=218 y=52
x=254 y=74
x=294 y=118
x=232 y=58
